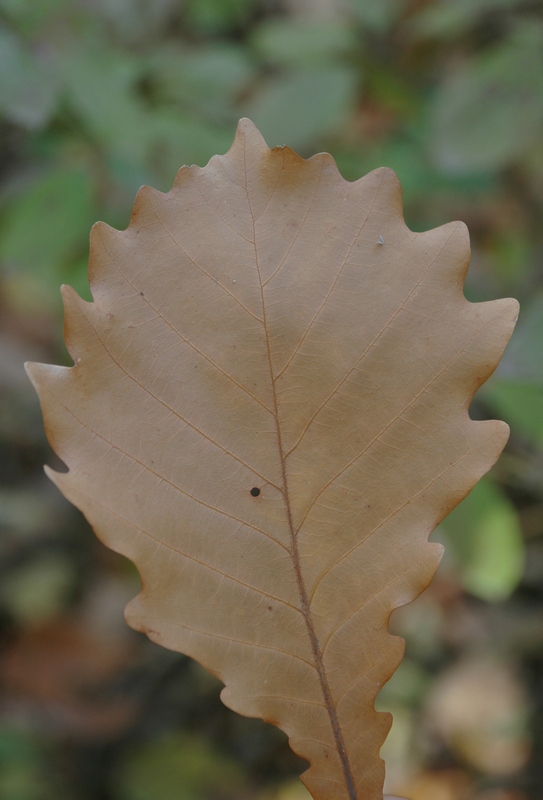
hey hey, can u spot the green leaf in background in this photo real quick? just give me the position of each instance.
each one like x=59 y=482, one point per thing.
x=302 y=106
x=515 y=391
x=24 y=769
x=30 y=17
x=484 y=535
x=180 y=138
x=102 y=90
x=20 y=762
x=207 y=79
x=520 y=403
x=133 y=20
x=293 y=790
x=38 y=591
x=48 y=224
x=406 y=687
x=28 y=84
x=280 y=41
x=217 y=16
x=177 y=767
x=377 y=16
x=490 y=110
x=523 y=358
x=512 y=262
x=450 y=18
x=401 y=155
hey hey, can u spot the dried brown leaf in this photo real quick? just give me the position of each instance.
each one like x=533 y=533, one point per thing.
x=268 y=413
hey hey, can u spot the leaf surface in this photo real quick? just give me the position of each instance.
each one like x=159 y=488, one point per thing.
x=268 y=413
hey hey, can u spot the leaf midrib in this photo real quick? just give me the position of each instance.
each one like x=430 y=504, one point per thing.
x=302 y=591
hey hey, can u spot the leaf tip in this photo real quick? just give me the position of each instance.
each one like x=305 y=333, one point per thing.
x=34 y=371
x=386 y=177
x=30 y=369
x=488 y=439
x=512 y=308
x=385 y=186
x=503 y=431
x=509 y=310
x=56 y=477
x=50 y=472
x=67 y=292
x=247 y=133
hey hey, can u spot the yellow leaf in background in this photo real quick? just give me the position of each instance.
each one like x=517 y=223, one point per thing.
x=268 y=413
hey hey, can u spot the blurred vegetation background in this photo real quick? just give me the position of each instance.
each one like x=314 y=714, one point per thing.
x=100 y=96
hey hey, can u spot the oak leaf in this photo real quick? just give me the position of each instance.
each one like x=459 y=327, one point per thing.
x=268 y=413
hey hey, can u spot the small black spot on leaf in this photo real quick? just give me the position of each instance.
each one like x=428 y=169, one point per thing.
x=255 y=491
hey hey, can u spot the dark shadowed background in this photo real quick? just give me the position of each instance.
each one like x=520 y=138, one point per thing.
x=100 y=96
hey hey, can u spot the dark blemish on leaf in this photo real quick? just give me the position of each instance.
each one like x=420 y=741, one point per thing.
x=255 y=491
x=141 y=294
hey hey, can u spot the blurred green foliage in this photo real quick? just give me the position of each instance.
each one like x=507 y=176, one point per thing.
x=485 y=536
x=100 y=96
x=24 y=770
x=177 y=766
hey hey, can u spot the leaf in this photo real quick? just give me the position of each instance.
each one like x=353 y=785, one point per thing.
x=268 y=414
x=517 y=387
x=205 y=79
x=451 y=18
x=523 y=359
x=286 y=41
x=217 y=16
x=378 y=17
x=58 y=208
x=131 y=20
x=489 y=112
x=28 y=84
x=101 y=86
